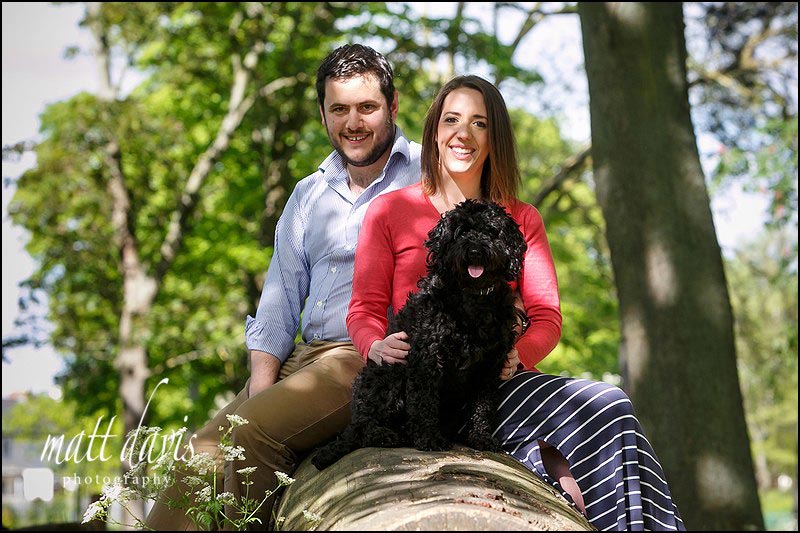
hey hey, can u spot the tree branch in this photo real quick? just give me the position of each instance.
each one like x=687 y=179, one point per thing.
x=238 y=107
x=533 y=16
x=554 y=182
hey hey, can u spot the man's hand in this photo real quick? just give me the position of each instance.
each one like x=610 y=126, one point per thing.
x=264 y=369
x=392 y=349
x=512 y=360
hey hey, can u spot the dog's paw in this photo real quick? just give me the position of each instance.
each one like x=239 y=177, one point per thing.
x=382 y=437
x=432 y=443
x=327 y=455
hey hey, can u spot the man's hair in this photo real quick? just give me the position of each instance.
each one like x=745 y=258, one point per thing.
x=353 y=60
x=500 y=179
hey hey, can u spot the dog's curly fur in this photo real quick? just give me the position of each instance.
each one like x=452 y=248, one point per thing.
x=461 y=327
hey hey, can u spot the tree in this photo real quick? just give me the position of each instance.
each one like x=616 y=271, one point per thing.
x=138 y=201
x=401 y=489
x=677 y=351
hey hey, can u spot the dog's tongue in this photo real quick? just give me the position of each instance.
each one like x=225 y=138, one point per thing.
x=475 y=270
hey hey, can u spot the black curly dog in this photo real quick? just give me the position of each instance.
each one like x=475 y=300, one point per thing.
x=461 y=327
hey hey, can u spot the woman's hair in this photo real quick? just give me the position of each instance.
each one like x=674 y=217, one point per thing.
x=353 y=60
x=500 y=179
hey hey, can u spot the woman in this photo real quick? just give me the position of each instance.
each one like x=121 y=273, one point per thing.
x=579 y=435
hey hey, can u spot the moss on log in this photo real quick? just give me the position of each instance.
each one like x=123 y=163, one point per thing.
x=401 y=489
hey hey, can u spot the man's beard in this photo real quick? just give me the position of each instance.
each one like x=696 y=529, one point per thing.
x=382 y=144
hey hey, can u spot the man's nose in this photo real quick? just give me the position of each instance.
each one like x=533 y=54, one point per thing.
x=354 y=120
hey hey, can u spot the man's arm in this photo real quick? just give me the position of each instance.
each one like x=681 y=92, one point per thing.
x=270 y=335
x=264 y=369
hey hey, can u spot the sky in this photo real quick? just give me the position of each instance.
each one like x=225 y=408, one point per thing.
x=35 y=74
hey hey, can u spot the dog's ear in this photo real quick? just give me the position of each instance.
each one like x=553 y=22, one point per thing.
x=438 y=237
x=512 y=238
x=449 y=229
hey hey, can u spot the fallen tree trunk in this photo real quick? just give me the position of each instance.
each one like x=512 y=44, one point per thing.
x=401 y=489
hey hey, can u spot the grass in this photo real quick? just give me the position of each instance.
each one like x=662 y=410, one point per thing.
x=777 y=507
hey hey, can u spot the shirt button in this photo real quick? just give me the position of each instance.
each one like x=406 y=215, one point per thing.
x=333 y=270
x=319 y=303
x=316 y=336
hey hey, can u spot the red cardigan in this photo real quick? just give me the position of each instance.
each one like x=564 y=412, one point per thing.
x=390 y=259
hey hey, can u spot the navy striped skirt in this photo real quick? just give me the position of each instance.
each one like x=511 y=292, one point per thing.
x=593 y=426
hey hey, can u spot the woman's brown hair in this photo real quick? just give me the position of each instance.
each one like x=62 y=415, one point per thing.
x=500 y=179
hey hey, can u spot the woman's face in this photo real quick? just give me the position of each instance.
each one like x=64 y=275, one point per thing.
x=462 y=135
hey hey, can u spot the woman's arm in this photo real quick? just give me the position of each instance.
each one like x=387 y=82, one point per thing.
x=538 y=288
x=372 y=279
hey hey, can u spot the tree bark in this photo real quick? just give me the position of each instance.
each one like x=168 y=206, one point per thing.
x=677 y=352
x=401 y=489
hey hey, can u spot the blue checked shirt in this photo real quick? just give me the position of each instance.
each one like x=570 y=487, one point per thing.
x=315 y=244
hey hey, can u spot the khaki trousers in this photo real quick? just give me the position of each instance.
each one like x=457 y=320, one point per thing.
x=308 y=405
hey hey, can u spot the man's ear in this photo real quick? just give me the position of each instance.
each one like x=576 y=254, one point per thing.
x=393 y=108
x=322 y=116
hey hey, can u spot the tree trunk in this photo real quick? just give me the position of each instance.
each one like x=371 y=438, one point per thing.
x=401 y=489
x=677 y=351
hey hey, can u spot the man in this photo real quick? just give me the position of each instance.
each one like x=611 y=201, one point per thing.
x=299 y=396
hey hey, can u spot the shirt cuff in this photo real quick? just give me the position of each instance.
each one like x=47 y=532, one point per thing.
x=258 y=336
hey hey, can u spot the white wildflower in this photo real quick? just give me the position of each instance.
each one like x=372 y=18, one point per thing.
x=236 y=420
x=111 y=492
x=226 y=498
x=193 y=481
x=202 y=463
x=203 y=495
x=95 y=511
x=247 y=471
x=138 y=470
x=116 y=492
x=283 y=479
x=233 y=453
x=164 y=463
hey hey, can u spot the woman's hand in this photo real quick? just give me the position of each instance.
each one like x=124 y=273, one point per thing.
x=523 y=322
x=393 y=349
x=512 y=361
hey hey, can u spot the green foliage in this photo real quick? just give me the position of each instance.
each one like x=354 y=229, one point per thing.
x=770 y=168
x=194 y=326
x=192 y=331
x=763 y=285
x=38 y=417
x=743 y=68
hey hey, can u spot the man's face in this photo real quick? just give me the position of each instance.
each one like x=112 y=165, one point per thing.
x=359 y=123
